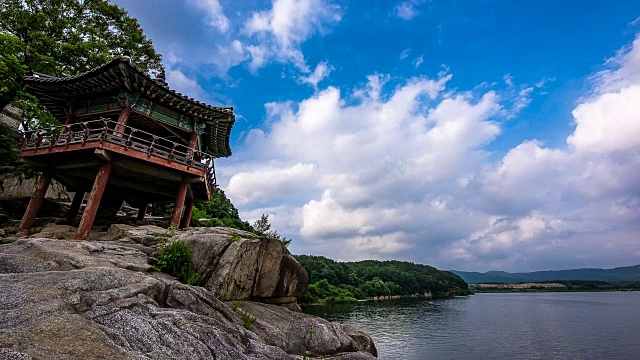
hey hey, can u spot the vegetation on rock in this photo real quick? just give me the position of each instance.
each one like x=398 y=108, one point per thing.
x=332 y=281
x=219 y=211
x=175 y=259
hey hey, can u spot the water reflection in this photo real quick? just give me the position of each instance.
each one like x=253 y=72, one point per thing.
x=499 y=326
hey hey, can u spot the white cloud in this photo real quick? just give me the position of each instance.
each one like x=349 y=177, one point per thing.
x=624 y=70
x=228 y=56
x=281 y=30
x=283 y=183
x=321 y=71
x=406 y=10
x=610 y=122
x=401 y=172
x=215 y=14
x=180 y=82
x=361 y=153
x=418 y=61
x=405 y=54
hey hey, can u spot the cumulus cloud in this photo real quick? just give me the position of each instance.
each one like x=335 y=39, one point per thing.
x=371 y=166
x=402 y=172
x=281 y=30
x=568 y=207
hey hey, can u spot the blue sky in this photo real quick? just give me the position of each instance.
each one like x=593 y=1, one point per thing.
x=470 y=135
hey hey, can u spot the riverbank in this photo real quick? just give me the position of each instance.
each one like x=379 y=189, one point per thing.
x=556 y=286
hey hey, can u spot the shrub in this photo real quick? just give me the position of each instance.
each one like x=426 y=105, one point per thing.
x=175 y=260
x=248 y=319
x=215 y=222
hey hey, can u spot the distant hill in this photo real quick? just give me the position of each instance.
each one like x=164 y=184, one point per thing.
x=625 y=273
x=330 y=280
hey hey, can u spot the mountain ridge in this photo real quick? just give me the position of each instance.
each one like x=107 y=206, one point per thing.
x=622 y=273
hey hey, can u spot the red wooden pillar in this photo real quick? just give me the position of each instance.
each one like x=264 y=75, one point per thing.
x=34 y=204
x=177 y=211
x=75 y=206
x=142 y=211
x=122 y=121
x=71 y=118
x=193 y=141
x=188 y=210
x=94 y=201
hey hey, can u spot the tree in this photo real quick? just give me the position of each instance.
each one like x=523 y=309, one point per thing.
x=64 y=38
x=262 y=227
x=219 y=206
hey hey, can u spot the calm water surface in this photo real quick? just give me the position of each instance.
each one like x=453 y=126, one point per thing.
x=499 y=326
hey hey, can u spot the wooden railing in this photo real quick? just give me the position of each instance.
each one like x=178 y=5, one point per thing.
x=126 y=136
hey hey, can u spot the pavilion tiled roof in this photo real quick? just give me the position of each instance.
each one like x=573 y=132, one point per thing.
x=122 y=74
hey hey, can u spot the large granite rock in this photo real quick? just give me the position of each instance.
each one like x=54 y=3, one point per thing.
x=99 y=300
x=234 y=264
x=21 y=181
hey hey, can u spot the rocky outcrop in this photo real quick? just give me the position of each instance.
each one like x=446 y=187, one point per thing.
x=234 y=264
x=22 y=180
x=13 y=207
x=100 y=300
x=237 y=264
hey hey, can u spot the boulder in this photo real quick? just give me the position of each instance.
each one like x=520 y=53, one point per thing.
x=319 y=337
x=14 y=207
x=21 y=181
x=100 y=300
x=147 y=235
x=239 y=265
x=40 y=254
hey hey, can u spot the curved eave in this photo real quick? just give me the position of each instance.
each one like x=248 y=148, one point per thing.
x=216 y=137
x=115 y=75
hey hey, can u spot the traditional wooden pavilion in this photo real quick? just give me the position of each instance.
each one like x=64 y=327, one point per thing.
x=126 y=136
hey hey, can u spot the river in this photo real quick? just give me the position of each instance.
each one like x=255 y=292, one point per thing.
x=599 y=325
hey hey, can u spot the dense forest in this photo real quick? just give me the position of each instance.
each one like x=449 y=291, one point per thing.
x=332 y=281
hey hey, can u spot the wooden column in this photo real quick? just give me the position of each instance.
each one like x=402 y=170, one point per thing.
x=75 y=206
x=142 y=211
x=71 y=118
x=122 y=121
x=188 y=210
x=193 y=141
x=177 y=211
x=94 y=201
x=29 y=216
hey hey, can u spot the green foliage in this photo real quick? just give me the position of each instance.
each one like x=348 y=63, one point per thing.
x=63 y=38
x=248 y=319
x=175 y=259
x=234 y=238
x=156 y=209
x=219 y=206
x=332 y=281
x=220 y=211
x=226 y=296
x=263 y=228
x=8 y=146
x=236 y=304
